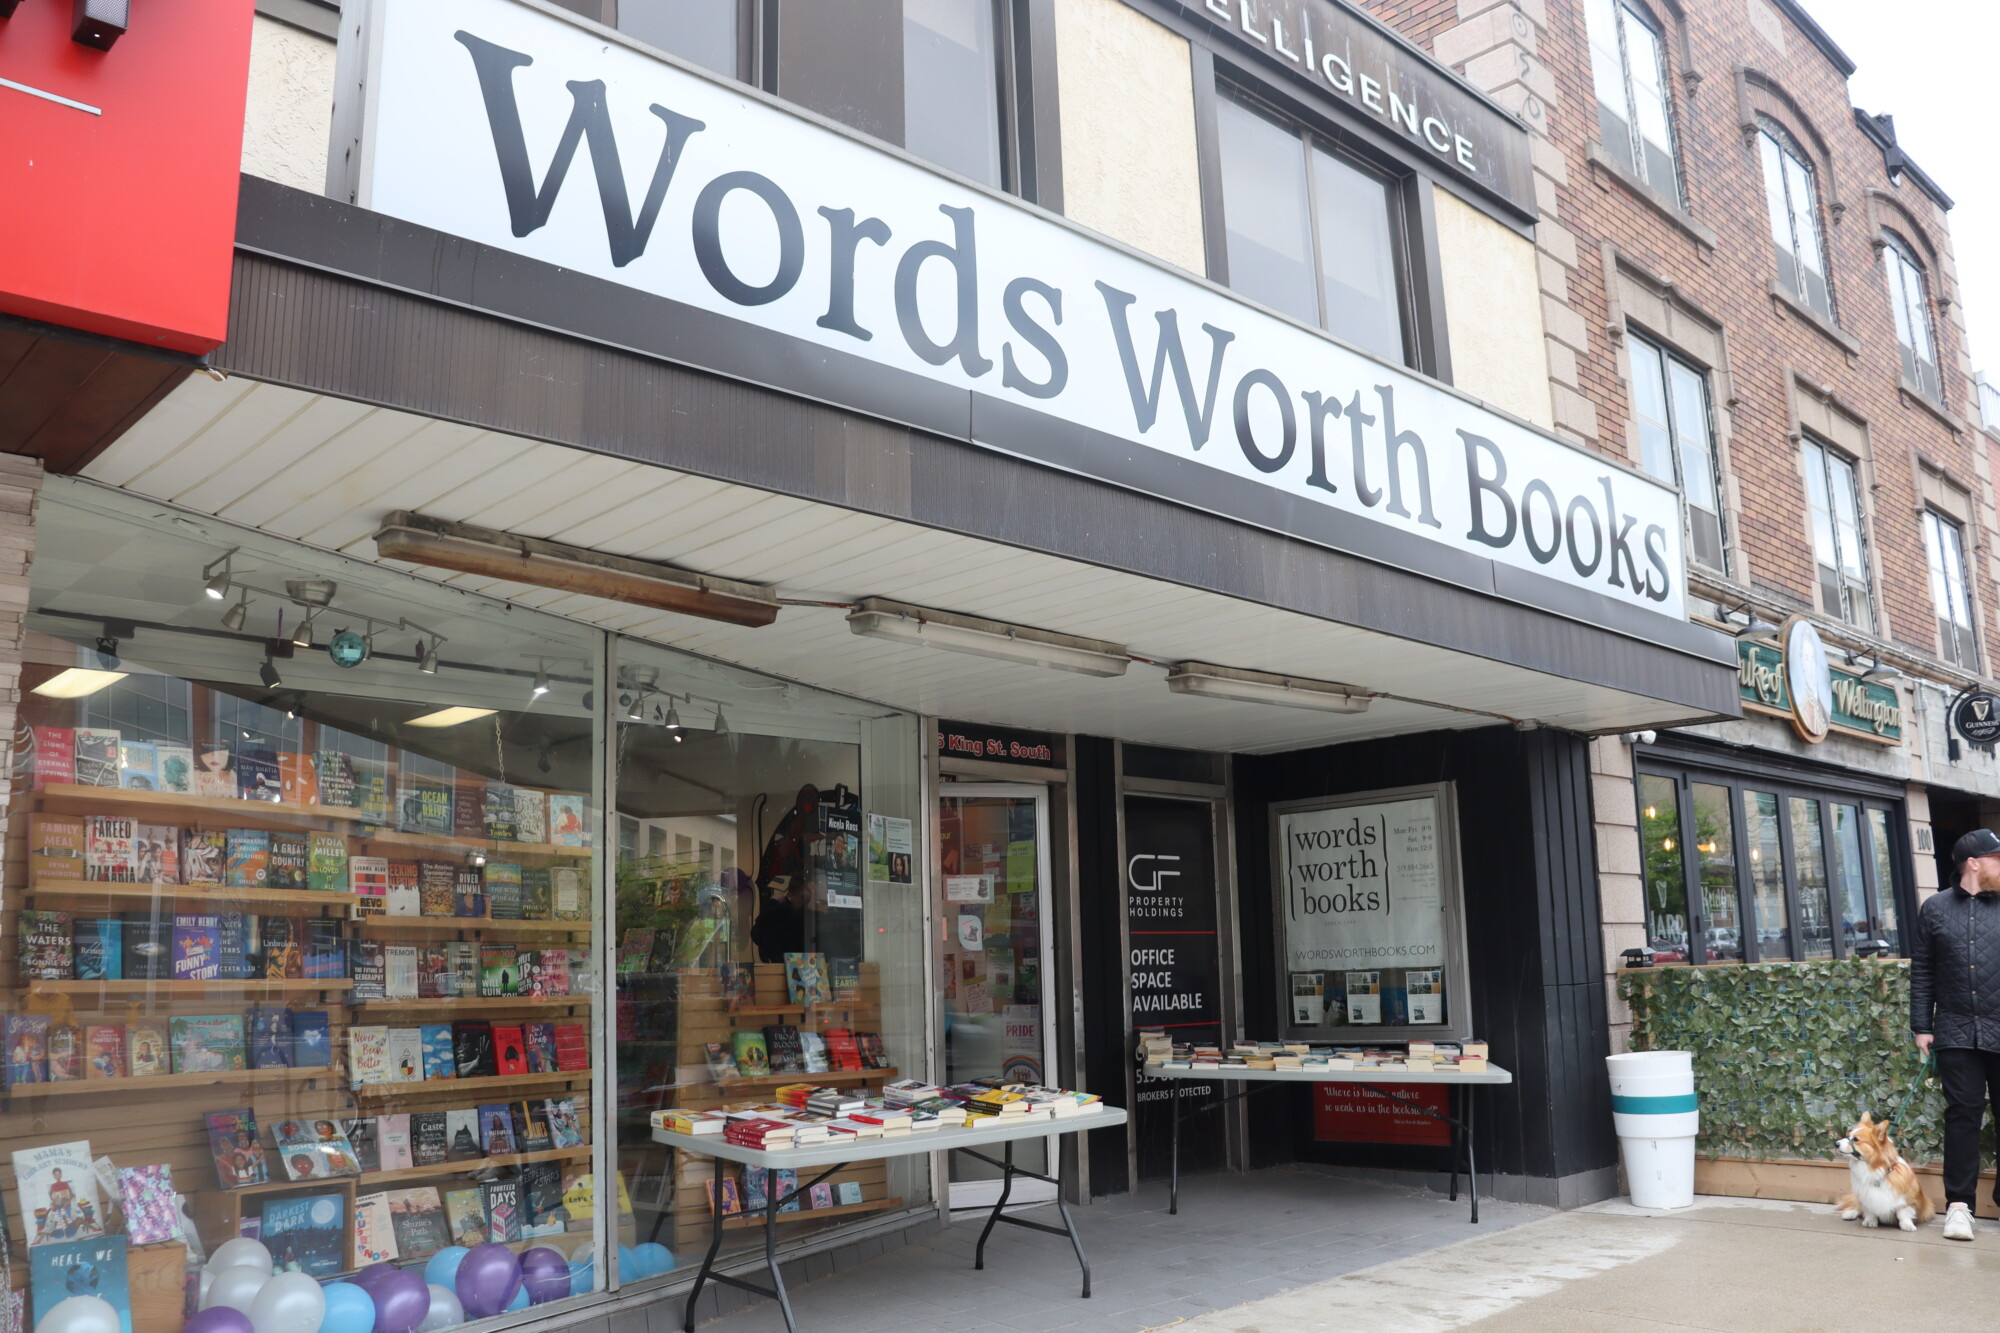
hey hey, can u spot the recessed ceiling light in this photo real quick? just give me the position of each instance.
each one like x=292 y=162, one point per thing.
x=450 y=717
x=77 y=682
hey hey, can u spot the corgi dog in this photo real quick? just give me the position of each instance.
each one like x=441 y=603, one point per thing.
x=1885 y=1188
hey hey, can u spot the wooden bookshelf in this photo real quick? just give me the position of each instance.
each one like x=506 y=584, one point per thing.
x=191 y=893
x=236 y=991
x=485 y=925
x=426 y=1087
x=368 y=1179
x=748 y=1220
x=802 y=1011
x=158 y=1083
x=471 y=1004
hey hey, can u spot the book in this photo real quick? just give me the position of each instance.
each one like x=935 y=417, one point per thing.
x=96 y=757
x=635 y=949
x=333 y=774
x=46 y=949
x=405 y=1055
x=55 y=1187
x=417 y=1216
x=290 y=864
x=437 y=888
x=204 y=855
x=90 y=1267
x=540 y=1041
x=567 y=826
x=249 y=863
x=565 y=1130
x=257 y=775
x=499 y=813
x=510 y=1050
x=148 y=945
x=572 y=1048
x=104 y=1051
x=269 y=1036
x=535 y=891
x=468 y=893
x=156 y=854
x=439 y=1061
x=109 y=849
x=297 y=779
x=366 y=966
x=236 y=946
x=847 y=1192
x=503 y=1210
x=314 y=1150
x=502 y=886
x=468 y=807
x=472 y=1048
x=138 y=766
x=461 y=1134
x=55 y=848
x=843 y=976
x=148 y=1048
x=326 y=863
x=197 y=946
x=367 y=1055
x=306 y=1234
x=814 y=1047
x=399 y=971
x=462 y=960
x=751 y=1054
x=368 y=880
x=732 y=1198
x=53 y=756
x=542 y=1200
x=428 y=1146
x=465 y=1216
x=424 y=805
x=176 y=767
x=361 y=1136
x=496 y=1130
x=27 y=1042
x=721 y=1063
x=146 y=1197
x=236 y=1149
x=531 y=1128
x=497 y=970
x=784 y=1053
x=392 y=1142
x=531 y=816
x=555 y=971
x=568 y=893
x=312 y=1042
x=404 y=897
x=374 y=1229
x=281 y=948
x=207 y=1043
x=65 y=1053
x=806 y=979
x=528 y=972
x=820 y=1196
x=214 y=769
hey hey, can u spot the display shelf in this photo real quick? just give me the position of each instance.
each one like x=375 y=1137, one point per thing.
x=485 y=925
x=472 y=1004
x=425 y=1087
x=749 y=1220
x=796 y=1010
x=387 y=837
x=190 y=893
x=237 y=990
x=463 y=1166
x=832 y=1078
x=158 y=1083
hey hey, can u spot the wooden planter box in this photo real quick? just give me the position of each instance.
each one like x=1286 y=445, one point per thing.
x=1808 y=1181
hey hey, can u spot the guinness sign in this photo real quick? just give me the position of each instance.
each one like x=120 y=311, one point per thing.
x=1977 y=717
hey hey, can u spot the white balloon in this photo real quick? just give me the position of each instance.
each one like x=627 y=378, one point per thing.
x=289 y=1303
x=207 y=1276
x=80 y=1314
x=446 y=1312
x=236 y=1288
x=583 y=1253
x=241 y=1251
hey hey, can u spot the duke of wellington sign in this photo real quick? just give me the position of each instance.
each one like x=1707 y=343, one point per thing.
x=1793 y=679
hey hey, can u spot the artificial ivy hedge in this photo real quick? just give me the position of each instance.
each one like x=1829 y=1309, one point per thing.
x=1788 y=1055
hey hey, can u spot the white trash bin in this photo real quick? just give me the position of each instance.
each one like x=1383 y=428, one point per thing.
x=1653 y=1111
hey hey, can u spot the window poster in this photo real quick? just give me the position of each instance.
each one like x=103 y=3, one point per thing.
x=889 y=847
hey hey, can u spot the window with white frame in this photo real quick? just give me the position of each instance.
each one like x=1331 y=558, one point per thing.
x=1909 y=298
x=1793 y=198
x=1628 y=63
x=1676 y=441
x=1833 y=491
x=1944 y=547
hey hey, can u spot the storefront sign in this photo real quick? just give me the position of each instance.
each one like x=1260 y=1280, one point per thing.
x=120 y=170
x=1977 y=717
x=1175 y=962
x=1794 y=679
x=970 y=740
x=1348 y=1114
x=1341 y=53
x=476 y=118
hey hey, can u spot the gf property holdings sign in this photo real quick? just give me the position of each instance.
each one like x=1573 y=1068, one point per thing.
x=505 y=124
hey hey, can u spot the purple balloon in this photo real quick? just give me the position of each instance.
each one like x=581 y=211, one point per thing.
x=218 y=1319
x=487 y=1279
x=374 y=1273
x=545 y=1273
x=402 y=1299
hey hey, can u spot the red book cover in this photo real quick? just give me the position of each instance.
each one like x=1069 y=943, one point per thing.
x=510 y=1049
x=55 y=755
x=104 y=1051
x=572 y=1048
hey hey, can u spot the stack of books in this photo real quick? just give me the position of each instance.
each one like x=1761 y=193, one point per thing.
x=834 y=1102
x=997 y=1102
x=760 y=1132
x=909 y=1091
x=891 y=1119
x=689 y=1122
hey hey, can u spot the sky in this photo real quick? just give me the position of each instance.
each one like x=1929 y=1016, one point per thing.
x=1931 y=67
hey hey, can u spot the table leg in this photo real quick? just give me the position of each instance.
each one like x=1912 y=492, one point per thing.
x=714 y=1246
x=1062 y=1206
x=771 y=1250
x=1457 y=1145
x=1174 y=1181
x=1006 y=1189
x=1471 y=1160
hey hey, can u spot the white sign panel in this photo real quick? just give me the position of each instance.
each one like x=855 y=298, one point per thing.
x=494 y=121
x=1362 y=887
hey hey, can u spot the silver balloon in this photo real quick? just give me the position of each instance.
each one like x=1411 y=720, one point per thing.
x=207 y=1276
x=80 y=1314
x=289 y=1303
x=446 y=1312
x=242 y=1251
x=236 y=1287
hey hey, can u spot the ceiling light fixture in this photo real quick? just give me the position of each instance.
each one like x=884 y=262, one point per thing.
x=233 y=619
x=302 y=637
x=427 y=658
x=475 y=858
x=673 y=722
x=77 y=682
x=268 y=673
x=215 y=574
x=721 y=722
x=635 y=710
x=878 y=618
x=1262 y=687
x=450 y=717
x=541 y=685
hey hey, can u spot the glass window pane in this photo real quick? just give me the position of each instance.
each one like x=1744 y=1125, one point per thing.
x=1649 y=406
x=1357 y=256
x=1805 y=213
x=1941 y=599
x=1843 y=486
x=1715 y=842
x=1697 y=454
x=1953 y=549
x=1825 y=548
x=951 y=95
x=1665 y=868
x=1264 y=202
x=1651 y=105
x=701 y=31
x=1850 y=893
x=1810 y=878
x=1780 y=211
x=1885 y=878
x=1767 y=874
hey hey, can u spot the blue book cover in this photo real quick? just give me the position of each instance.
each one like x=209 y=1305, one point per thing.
x=325 y=949
x=270 y=1036
x=100 y=949
x=312 y=1044
x=439 y=1061
x=257 y=776
x=94 y=1267
x=306 y=1235
x=238 y=940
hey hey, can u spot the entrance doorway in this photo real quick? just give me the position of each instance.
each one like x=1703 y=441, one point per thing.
x=991 y=893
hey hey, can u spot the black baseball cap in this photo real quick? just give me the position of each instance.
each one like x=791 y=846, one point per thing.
x=1979 y=842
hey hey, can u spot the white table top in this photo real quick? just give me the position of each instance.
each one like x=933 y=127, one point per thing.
x=906 y=1144
x=1492 y=1074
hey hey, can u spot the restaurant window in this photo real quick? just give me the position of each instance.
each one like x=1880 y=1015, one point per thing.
x=1909 y=299
x=1310 y=232
x=1833 y=493
x=1790 y=195
x=1944 y=548
x=1738 y=868
x=1628 y=64
x=1676 y=441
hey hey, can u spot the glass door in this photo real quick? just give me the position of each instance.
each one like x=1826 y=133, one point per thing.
x=991 y=891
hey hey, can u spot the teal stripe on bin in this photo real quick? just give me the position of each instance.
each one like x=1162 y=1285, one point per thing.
x=1653 y=1105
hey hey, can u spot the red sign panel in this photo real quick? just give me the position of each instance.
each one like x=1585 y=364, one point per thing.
x=118 y=169
x=1345 y=1113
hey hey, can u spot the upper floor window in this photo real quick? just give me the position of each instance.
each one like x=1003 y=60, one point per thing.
x=708 y=33
x=1833 y=489
x=1795 y=233
x=1628 y=63
x=1676 y=442
x=1944 y=546
x=1309 y=232
x=1910 y=299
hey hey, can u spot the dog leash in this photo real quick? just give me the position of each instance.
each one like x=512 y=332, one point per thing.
x=1916 y=1086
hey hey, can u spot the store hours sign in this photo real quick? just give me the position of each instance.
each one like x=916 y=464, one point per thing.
x=499 y=122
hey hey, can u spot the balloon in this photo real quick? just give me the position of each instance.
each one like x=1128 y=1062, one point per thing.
x=544 y=1274
x=520 y=1301
x=487 y=1279
x=349 y=1309
x=207 y=1276
x=219 y=1319
x=443 y=1267
x=81 y=1314
x=240 y=1251
x=289 y=1303
x=445 y=1311
x=629 y=1267
x=401 y=1301
x=655 y=1258
x=236 y=1287
x=374 y=1273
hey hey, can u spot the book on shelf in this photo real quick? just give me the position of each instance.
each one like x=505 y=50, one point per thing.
x=427 y=1138
x=249 y=863
x=472 y=1048
x=148 y=1048
x=96 y=750
x=752 y=1056
x=531 y=1127
x=156 y=854
x=214 y=769
x=510 y=1050
x=847 y=1192
x=528 y=972
x=392 y=1142
x=496 y=1130
x=462 y=961
x=439 y=1060
x=399 y=971
x=536 y=904
x=55 y=848
x=437 y=888
x=290 y=864
x=282 y=947
x=146 y=1197
x=371 y=790
x=207 y=1043
x=405 y=1053
x=104 y=1051
x=424 y=805
x=46 y=949
x=306 y=1234
x=269 y=1036
x=465 y=1215
x=149 y=945
x=502 y=886
x=257 y=775
x=326 y=863
x=565 y=1130
x=732 y=1198
x=461 y=1134
x=374 y=1229
x=497 y=970
x=498 y=813
x=27 y=1039
x=541 y=1200
x=55 y=1186
x=367 y=966
x=468 y=807
x=405 y=890
x=556 y=975
x=572 y=1048
x=567 y=822
x=813 y=1046
x=368 y=1055
x=531 y=816
x=138 y=766
x=820 y=1195
x=635 y=949
x=806 y=980
x=368 y=881
x=297 y=779
x=176 y=767
x=236 y=1149
x=569 y=893
x=65 y=1052
x=503 y=1210
x=312 y=1042
x=110 y=852
x=95 y=1266
x=843 y=976
x=468 y=893
x=333 y=775
x=53 y=756
x=314 y=1149
x=236 y=946
x=361 y=1137
x=541 y=1047
x=417 y=1216
x=784 y=1053
x=204 y=855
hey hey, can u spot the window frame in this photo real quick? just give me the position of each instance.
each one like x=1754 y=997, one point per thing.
x=1911 y=312
x=1829 y=454
x=1962 y=647
x=1789 y=149
x=1638 y=341
x=1625 y=12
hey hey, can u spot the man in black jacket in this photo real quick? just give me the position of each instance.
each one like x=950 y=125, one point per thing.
x=1955 y=1012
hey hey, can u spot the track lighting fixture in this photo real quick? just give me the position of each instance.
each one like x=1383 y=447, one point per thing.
x=475 y=858
x=427 y=657
x=721 y=722
x=635 y=709
x=268 y=673
x=215 y=574
x=234 y=618
x=541 y=686
x=302 y=637
x=673 y=722
x=107 y=653
x=542 y=761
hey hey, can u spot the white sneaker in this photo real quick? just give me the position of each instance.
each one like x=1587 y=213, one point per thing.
x=1958 y=1222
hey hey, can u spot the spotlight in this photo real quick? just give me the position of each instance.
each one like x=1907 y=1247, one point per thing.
x=215 y=574
x=233 y=618
x=721 y=722
x=427 y=660
x=475 y=858
x=302 y=637
x=542 y=764
x=1881 y=671
x=541 y=686
x=107 y=653
x=268 y=673
x=635 y=707
x=295 y=705
x=673 y=722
